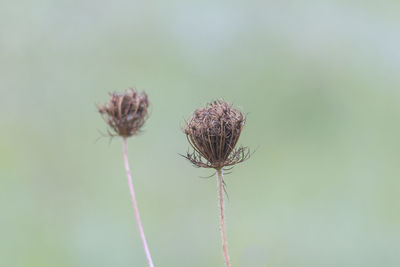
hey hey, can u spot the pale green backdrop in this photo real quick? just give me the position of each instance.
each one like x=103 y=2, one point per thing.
x=319 y=81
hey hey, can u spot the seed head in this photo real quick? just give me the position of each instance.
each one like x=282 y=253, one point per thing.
x=125 y=112
x=213 y=132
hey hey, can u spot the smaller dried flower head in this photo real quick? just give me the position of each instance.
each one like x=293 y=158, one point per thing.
x=213 y=132
x=125 y=112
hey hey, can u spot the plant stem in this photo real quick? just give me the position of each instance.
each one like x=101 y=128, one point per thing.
x=135 y=207
x=221 y=209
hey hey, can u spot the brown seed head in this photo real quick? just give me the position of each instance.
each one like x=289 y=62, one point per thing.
x=213 y=132
x=125 y=112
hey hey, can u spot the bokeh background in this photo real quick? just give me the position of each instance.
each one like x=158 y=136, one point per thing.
x=319 y=81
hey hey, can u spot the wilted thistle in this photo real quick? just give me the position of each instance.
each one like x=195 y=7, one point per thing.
x=126 y=113
x=213 y=132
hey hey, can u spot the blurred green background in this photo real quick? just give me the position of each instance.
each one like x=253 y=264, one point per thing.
x=319 y=81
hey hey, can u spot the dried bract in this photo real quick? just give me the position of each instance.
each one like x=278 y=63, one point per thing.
x=125 y=112
x=213 y=132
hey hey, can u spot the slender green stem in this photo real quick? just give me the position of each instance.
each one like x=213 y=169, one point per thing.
x=222 y=216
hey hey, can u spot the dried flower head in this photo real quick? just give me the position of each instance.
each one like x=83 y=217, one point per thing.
x=213 y=132
x=125 y=112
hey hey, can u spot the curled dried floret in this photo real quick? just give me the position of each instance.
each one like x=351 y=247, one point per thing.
x=213 y=132
x=125 y=112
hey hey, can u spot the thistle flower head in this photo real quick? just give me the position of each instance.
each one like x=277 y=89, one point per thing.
x=125 y=112
x=213 y=132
